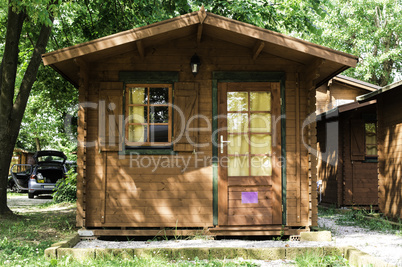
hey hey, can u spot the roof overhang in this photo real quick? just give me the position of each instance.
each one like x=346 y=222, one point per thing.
x=334 y=113
x=201 y=23
x=375 y=94
x=356 y=83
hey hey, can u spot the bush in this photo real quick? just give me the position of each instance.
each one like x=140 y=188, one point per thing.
x=66 y=188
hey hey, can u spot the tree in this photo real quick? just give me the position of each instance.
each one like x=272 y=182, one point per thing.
x=369 y=29
x=34 y=21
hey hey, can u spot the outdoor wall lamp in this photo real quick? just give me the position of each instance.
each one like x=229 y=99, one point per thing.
x=195 y=64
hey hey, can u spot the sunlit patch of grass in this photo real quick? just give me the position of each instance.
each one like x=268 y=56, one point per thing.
x=317 y=259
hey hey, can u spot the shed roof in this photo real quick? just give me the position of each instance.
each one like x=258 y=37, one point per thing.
x=375 y=94
x=357 y=83
x=202 y=23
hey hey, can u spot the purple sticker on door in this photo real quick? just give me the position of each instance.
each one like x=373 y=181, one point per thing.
x=249 y=197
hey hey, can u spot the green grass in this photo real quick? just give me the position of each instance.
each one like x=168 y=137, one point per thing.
x=360 y=218
x=315 y=259
x=26 y=234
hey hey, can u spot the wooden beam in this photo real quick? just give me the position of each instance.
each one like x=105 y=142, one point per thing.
x=199 y=33
x=257 y=49
x=140 y=48
x=312 y=73
x=201 y=16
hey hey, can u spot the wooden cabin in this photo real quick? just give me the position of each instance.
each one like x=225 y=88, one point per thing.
x=347 y=166
x=21 y=156
x=341 y=90
x=196 y=123
x=389 y=116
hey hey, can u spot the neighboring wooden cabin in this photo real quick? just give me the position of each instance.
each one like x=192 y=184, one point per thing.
x=389 y=116
x=347 y=165
x=144 y=166
x=21 y=156
x=341 y=90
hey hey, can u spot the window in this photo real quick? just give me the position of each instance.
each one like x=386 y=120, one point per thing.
x=148 y=115
x=370 y=139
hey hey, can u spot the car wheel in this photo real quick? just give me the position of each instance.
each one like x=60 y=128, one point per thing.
x=31 y=195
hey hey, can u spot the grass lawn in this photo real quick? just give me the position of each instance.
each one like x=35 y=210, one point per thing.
x=28 y=232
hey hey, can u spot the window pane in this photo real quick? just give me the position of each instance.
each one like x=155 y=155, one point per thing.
x=260 y=101
x=237 y=123
x=237 y=144
x=237 y=101
x=159 y=114
x=238 y=166
x=137 y=95
x=138 y=114
x=261 y=166
x=159 y=133
x=137 y=133
x=371 y=150
x=260 y=144
x=159 y=96
x=260 y=123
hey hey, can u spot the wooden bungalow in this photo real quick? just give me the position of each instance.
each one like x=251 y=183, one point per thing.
x=21 y=156
x=341 y=90
x=217 y=145
x=389 y=116
x=347 y=165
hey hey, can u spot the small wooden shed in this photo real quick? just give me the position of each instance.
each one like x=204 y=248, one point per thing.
x=347 y=166
x=341 y=90
x=173 y=148
x=389 y=116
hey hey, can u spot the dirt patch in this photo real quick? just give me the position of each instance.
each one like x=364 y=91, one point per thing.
x=22 y=201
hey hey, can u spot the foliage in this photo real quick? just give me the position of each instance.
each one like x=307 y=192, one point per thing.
x=317 y=259
x=369 y=29
x=66 y=188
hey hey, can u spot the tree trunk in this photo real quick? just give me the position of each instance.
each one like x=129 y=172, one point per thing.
x=37 y=142
x=11 y=113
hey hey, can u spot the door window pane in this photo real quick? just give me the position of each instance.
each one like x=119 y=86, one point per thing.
x=260 y=144
x=237 y=101
x=238 y=166
x=237 y=122
x=260 y=101
x=238 y=144
x=260 y=123
x=261 y=166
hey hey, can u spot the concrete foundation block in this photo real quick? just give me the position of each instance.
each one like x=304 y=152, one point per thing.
x=316 y=236
x=76 y=253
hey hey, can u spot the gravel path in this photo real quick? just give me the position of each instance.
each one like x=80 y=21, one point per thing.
x=388 y=247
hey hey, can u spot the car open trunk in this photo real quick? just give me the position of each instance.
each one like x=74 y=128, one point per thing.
x=50 y=175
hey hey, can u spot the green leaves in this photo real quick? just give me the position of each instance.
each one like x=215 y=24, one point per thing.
x=369 y=29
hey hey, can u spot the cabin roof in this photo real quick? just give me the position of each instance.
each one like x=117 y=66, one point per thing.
x=201 y=23
x=373 y=95
x=356 y=83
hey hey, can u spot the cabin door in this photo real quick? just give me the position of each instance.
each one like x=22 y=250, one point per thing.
x=249 y=150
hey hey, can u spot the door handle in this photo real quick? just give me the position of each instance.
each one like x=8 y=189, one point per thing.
x=222 y=143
